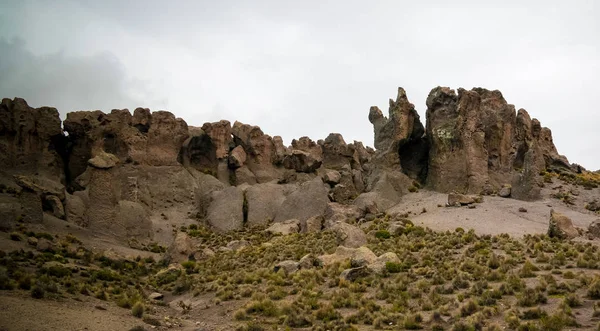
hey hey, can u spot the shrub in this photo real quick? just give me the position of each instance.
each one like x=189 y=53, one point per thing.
x=382 y=234
x=594 y=289
x=393 y=267
x=469 y=308
x=37 y=292
x=137 y=310
x=15 y=236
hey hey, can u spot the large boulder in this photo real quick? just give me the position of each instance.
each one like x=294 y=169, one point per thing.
x=264 y=200
x=349 y=235
x=561 y=227
x=181 y=249
x=285 y=227
x=309 y=200
x=226 y=212
x=75 y=209
x=301 y=161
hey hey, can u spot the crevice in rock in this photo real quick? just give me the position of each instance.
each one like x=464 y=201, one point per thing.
x=414 y=158
x=245 y=210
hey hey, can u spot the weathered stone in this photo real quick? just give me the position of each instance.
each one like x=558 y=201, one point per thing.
x=399 y=139
x=55 y=206
x=301 y=161
x=331 y=177
x=44 y=245
x=309 y=200
x=309 y=261
x=337 y=212
x=31 y=139
x=379 y=265
x=220 y=136
x=288 y=266
x=457 y=199
x=237 y=157
x=355 y=273
x=155 y=296
x=103 y=161
x=181 y=249
x=264 y=200
x=40 y=185
x=225 y=212
x=349 y=235
x=593 y=205
x=236 y=245
x=312 y=225
x=505 y=191
x=560 y=226
x=362 y=256
x=594 y=229
x=285 y=227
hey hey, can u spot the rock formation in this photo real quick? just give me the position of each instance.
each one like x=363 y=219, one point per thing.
x=124 y=175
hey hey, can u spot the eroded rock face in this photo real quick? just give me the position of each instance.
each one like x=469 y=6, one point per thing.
x=153 y=139
x=399 y=138
x=31 y=140
x=478 y=142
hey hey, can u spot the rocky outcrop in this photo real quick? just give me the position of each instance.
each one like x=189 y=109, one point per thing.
x=152 y=139
x=399 y=138
x=477 y=140
x=31 y=140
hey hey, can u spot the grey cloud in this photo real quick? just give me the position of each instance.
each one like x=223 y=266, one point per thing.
x=66 y=82
x=314 y=67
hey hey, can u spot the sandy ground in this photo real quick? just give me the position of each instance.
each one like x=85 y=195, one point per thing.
x=494 y=216
x=19 y=313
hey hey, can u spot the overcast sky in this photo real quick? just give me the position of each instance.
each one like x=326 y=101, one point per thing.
x=300 y=68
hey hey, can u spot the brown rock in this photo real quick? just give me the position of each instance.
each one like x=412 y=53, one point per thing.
x=594 y=229
x=103 y=161
x=181 y=249
x=264 y=200
x=349 y=235
x=561 y=226
x=30 y=139
x=379 y=265
x=301 y=161
x=285 y=227
x=399 y=139
x=237 y=157
x=505 y=191
x=288 y=267
x=355 y=273
x=457 y=199
x=312 y=225
x=220 y=137
x=56 y=206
